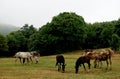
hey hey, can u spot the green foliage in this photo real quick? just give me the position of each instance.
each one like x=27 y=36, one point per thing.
x=19 y=40
x=66 y=32
x=99 y=35
x=90 y=37
x=115 y=43
x=117 y=27
x=16 y=42
x=106 y=34
x=3 y=44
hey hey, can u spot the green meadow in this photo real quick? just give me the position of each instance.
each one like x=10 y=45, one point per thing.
x=46 y=69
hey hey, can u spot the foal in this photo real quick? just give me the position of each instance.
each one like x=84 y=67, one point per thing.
x=60 y=62
x=82 y=60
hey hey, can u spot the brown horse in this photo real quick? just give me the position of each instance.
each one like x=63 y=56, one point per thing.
x=82 y=60
x=93 y=54
x=105 y=56
x=102 y=55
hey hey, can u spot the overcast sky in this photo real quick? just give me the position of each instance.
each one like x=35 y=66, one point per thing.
x=39 y=12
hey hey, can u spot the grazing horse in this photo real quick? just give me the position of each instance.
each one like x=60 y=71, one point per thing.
x=102 y=55
x=93 y=56
x=82 y=60
x=60 y=62
x=24 y=55
x=105 y=56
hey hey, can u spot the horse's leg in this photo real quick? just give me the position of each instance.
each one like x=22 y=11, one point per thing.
x=76 y=69
x=59 y=66
x=20 y=60
x=23 y=60
x=95 y=63
x=63 y=67
x=110 y=63
x=31 y=60
x=16 y=60
x=84 y=67
x=107 y=64
x=56 y=64
x=89 y=65
x=100 y=64
x=27 y=60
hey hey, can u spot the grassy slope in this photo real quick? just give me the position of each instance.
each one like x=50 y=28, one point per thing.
x=46 y=69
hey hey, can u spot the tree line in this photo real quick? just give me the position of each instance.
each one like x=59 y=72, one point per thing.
x=66 y=32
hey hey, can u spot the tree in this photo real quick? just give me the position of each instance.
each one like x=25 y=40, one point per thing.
x=117 y=27
x=16 y=42
x=91 y=37
x=3 y=44
x=106 y=35
x=65 y=33
x=115 y=43
x=28 y=30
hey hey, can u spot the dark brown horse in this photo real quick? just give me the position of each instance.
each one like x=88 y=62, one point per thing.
x=80 y=61
x=60 y=62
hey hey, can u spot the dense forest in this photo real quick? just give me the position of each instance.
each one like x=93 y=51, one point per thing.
x=66 y=32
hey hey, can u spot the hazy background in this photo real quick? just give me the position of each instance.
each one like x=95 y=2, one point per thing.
x=39 y=12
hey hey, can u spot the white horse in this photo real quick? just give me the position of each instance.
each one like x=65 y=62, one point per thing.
x=24 y=55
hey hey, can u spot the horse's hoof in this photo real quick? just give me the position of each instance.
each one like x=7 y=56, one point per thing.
x=76 y=72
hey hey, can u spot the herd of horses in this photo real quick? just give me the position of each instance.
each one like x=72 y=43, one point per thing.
x=97 y=56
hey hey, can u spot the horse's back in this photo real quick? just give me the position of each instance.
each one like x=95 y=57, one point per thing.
x=83 y=59
x=17 y=54
x=60 y=59
x=23 y=54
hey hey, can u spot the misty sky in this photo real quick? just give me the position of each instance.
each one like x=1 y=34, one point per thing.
x=39 y=12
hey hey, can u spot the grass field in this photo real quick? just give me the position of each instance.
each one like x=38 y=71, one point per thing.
x=46 y=69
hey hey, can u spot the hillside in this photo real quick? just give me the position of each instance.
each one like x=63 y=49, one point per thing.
x=6 y=29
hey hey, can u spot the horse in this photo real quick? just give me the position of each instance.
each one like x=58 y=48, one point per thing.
x=60 y=62
x=24 y=55
x=105 y=56
x=102 y=55
x=82 y=60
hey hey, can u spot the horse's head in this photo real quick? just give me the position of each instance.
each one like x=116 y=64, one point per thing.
x=34 y=53
x=63 y=67
x=17 y=55
x=77 y=66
